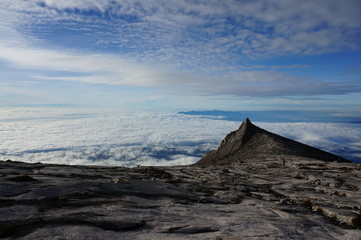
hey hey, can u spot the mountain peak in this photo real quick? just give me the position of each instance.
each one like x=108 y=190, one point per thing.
x=246 y=121
x=236 y=139
x=251 y=143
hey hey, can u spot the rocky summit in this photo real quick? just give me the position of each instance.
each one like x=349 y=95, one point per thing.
x=257 y=185
x=251 y=143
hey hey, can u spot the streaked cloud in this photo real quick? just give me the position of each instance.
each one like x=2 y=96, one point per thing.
x=256 y=27
x=200 y=48
x=113 y=70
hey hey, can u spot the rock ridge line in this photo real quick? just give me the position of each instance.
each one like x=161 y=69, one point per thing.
x=252 y=143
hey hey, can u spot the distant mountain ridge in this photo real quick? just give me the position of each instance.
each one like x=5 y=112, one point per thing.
x=278 y=116
x=251 y=143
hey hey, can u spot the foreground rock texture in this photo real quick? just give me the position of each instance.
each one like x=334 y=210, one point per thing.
x=285 y=195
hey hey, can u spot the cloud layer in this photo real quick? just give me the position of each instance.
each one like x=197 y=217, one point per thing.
x=112 y=70
x=193 y=47
x=67 y=137
x=191 y=28
x=128 y=140
x=250 y=27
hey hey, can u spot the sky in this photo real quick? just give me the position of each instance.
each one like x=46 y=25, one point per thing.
x=181 y=54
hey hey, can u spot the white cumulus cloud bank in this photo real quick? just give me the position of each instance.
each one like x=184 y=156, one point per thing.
x=339 y=138
x=130 y=139
x=107 y=139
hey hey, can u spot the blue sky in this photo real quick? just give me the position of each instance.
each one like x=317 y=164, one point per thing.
x=180 y=54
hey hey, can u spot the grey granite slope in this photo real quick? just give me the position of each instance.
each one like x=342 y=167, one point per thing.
x=307 y=199
x=257 y=185
x=251 y=143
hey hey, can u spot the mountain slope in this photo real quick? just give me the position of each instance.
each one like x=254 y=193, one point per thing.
x=251 y=143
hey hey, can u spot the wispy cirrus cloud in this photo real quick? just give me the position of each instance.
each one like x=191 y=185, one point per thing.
x=185 y=29
x=199 y=47
x=114 y=70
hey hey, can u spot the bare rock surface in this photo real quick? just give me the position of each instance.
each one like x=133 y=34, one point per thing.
x=305 y=199
x=251 y=143
x=288 y=194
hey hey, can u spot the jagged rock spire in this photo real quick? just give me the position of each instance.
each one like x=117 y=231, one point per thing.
x=251 y=143
x=236 y=139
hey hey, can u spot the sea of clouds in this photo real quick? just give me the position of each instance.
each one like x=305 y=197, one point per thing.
x=130 y=139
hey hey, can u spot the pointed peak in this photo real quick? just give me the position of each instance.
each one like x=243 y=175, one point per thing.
x=250 y=143
x=246 y=123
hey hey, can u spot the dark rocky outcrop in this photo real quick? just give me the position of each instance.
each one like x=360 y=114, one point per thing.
x=251 y=143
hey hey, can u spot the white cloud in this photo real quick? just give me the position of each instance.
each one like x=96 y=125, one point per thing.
x=182 y=46
x=95 y=68
x=78 y=4
x=114 y=70
x=339 y=138
x=130 y=139
x=186 y=30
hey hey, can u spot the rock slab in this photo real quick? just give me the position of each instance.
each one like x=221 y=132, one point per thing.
x=305 y=199
x=256 y=185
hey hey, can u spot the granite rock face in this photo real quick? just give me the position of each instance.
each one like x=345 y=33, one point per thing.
x=306 y=199
x=285 y=190
x=251 y=143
